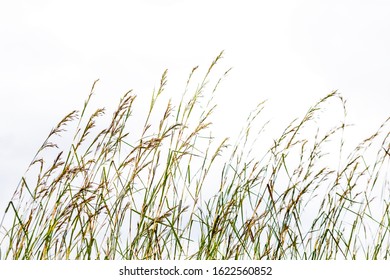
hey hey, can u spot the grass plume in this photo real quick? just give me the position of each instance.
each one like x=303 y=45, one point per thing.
x=170 y=190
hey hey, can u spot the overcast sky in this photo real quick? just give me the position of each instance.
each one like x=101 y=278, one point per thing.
x=289 y=52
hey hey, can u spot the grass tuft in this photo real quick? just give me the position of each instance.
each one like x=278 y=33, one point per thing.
x=170 y=190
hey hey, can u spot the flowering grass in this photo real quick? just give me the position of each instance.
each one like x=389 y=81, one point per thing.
x=161 y=186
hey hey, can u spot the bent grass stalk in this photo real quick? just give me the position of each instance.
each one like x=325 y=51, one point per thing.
x=172 y=191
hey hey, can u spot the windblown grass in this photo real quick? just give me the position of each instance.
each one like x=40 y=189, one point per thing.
x=170 y=190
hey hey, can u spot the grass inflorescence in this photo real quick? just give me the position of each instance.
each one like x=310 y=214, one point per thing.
x=161 y=186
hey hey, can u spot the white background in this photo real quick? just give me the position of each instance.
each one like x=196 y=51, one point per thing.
x=289 y=52
x=281 y=270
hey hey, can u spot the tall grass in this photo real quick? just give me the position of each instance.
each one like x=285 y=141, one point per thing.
x=168 y=189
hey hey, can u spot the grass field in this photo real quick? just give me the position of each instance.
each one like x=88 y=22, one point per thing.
x=161 y=186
